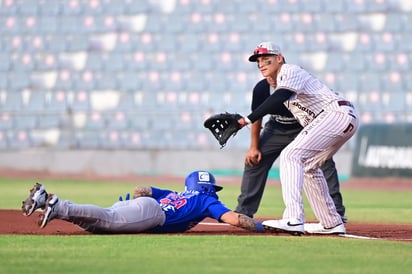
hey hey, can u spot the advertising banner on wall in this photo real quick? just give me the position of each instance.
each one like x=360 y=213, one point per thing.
x=383 y=150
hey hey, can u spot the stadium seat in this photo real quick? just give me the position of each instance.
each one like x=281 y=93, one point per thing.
x=88 y=139
x=113 y=62
x=77 y=42
x=18 y=80
x=407 y=81
x=6 y=121
x=370 y=82
x=405 y=43
x=347 y=81
x=127 y=102
x=49 y=121
x=81 y=101
x=5 y=62
x=49 y=8
x=139 y=121
x=70 y=24
x=3 y=81
x=19 y=139
x=86 y=81
x=376 y=5
x=128 y=81
x=30 y=7
x=290 y=6
x=136 y=7
x=114 y=8
x=56 y=43
x=36 y=102
x=399 y=62
x=356 y=61
x=3 y=140
x=345 y=22
x=25 y=122
x=392 y=82
x=58 y=102
x=112 y=139
x=312 y=6
x=394 y=22
x=394 y=101
x=334 y=62
x=23 y=62
x=13 y=102
x=117 y=121
x=385 y=42
x=47 y=24
x=9 y=10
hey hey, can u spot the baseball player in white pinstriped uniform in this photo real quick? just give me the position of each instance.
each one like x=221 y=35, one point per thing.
x=329 y=120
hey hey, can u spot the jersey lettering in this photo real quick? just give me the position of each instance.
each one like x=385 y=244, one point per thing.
x=172 y=202
x=305 y=109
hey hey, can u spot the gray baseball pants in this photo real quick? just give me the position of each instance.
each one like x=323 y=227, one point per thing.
x=131 y=216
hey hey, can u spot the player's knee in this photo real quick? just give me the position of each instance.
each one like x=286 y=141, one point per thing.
x=290 y=155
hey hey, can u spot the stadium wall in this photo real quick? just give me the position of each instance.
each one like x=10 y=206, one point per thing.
x=136 y=162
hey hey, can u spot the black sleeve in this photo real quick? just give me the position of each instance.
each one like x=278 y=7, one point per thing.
x=271 y=104
x=260 y=93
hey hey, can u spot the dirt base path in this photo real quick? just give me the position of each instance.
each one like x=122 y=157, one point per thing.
x=13 y=222
x=21 y=225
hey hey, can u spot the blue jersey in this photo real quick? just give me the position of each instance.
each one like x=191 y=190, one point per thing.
x=184 y=210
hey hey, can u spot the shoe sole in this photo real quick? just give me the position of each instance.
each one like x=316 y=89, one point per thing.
x=44 y=218
x=279 y=230
x=29 y=211
x=325 y=233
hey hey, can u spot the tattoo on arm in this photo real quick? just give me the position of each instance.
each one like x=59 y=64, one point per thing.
x=247 y=222
x=142 y=191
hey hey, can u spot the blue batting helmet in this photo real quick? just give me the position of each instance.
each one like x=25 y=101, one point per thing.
x=202 y=181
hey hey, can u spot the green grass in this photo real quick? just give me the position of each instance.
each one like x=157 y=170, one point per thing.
x=206 y=254
x=200 y=254
x=362 y=206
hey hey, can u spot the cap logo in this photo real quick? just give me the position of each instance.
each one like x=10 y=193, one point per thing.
x=261 y=51
x=204 y=176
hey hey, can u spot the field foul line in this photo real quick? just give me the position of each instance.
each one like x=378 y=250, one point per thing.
x=342 y=235
x=214 y=224
x=357 y=237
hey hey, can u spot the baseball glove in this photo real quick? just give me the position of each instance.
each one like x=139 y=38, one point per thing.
x=223 y=126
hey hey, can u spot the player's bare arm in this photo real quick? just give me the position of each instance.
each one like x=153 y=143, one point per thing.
x=253 y=156
x=240 y=220
x=142 y=191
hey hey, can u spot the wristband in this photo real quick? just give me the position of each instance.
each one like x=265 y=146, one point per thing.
x=259 y=227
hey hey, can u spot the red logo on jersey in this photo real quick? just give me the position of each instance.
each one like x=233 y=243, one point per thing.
x=173 y=200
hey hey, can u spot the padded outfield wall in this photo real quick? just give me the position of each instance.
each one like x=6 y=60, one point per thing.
x=383 y=150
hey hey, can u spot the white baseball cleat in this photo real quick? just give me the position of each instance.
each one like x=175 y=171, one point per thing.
x=312 y=228
x=289 y=226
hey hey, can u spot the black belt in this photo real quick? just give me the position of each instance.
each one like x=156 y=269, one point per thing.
x=341 y=103
x=345 y=103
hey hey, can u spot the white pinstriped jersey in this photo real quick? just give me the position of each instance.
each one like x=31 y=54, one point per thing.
x=311 y=95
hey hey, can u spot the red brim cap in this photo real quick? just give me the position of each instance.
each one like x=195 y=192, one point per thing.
x=265 y=48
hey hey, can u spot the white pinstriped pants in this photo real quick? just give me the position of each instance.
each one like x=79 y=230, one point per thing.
x=301 y=159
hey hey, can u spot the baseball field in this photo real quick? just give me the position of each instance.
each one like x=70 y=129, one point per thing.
x=378 y=239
